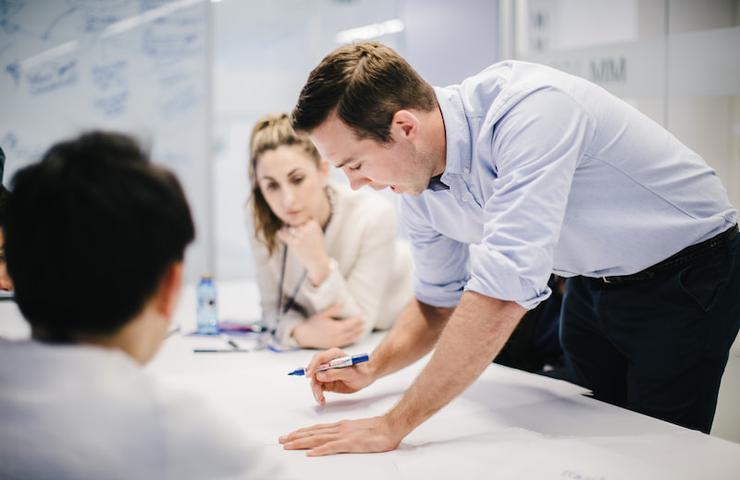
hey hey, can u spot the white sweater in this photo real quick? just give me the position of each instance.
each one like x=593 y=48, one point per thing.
x=371 y=275
x=69 y=411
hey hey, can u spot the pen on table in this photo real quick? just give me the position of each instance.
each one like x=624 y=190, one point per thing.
x=173 y=331
x=221 y=350
x=341 y=362
x=235 y=347
x=230 y=341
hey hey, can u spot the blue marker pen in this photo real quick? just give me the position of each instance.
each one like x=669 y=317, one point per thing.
x=341 y=362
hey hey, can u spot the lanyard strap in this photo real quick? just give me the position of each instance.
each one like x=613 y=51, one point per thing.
x=283 y=308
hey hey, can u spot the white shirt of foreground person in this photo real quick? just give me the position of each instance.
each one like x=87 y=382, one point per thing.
x=371 y=275
x=72 y=412
x=615 y=192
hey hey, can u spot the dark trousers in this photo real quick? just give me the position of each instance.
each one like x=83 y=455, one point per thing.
x=535 y=341
x=657 y=346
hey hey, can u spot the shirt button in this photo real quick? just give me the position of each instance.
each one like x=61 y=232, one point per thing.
x=466 y=171
x=466 y=197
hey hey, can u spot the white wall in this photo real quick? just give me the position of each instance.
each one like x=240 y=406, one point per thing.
x=447 y=41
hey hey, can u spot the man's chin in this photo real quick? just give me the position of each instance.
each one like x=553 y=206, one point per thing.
x=405 y=191
x=396 y=189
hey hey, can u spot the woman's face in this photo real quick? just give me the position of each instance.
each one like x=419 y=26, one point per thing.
x=292 y=184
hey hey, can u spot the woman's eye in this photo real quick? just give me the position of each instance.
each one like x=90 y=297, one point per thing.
x=271 y=187
x=298 y=180
x=356 y=167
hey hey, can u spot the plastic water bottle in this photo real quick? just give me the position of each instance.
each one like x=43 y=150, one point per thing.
x=207 y=311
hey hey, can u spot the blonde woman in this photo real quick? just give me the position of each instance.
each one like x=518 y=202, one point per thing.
x=330 y=267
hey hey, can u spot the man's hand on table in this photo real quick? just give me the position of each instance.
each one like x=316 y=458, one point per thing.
x=367 y=435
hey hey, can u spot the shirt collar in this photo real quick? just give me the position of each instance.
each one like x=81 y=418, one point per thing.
x=457 y=132
x=436 y=184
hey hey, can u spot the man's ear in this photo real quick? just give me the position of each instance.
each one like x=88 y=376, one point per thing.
x=405 y=124
x=168 y=292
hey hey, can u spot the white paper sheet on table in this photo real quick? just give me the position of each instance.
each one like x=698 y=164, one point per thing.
x=508 y=424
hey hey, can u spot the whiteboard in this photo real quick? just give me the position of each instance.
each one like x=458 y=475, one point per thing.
x=137 y=66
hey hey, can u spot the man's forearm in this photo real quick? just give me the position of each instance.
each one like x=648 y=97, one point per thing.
x=474 y=335
x=414 y=334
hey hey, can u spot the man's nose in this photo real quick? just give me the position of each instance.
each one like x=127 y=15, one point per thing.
x=356 y=181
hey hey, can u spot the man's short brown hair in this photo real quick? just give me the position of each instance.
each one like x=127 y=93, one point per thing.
x=367 y=83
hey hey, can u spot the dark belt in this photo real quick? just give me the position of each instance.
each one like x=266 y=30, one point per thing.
x=674 y=262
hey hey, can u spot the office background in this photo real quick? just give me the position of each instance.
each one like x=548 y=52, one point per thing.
x=675 y=60
x=212 y=68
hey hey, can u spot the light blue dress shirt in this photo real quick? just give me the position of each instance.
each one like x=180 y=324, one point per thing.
x=549 y=173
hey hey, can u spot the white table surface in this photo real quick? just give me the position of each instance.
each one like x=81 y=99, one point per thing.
x=508 y=424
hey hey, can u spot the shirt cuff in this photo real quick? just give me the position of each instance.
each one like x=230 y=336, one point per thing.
x=447 y=296
x=284 y=332
x=495 y=276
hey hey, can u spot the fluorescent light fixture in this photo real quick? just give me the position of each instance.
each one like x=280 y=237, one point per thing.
x=373 y=30
x=113 y=29
x=148 y=16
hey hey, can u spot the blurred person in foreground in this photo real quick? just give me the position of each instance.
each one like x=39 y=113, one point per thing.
x=95 y=237
x=6 y=284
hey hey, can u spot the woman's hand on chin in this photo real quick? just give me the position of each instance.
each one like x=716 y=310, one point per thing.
x=306 y=241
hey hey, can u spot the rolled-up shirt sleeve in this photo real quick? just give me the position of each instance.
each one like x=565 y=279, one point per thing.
x=440 y=262
x=536 y=148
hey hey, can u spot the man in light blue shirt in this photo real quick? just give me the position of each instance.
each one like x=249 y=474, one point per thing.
x=518 y=172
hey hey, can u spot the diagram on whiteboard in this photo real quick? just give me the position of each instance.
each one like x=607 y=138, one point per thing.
x=137 y=66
